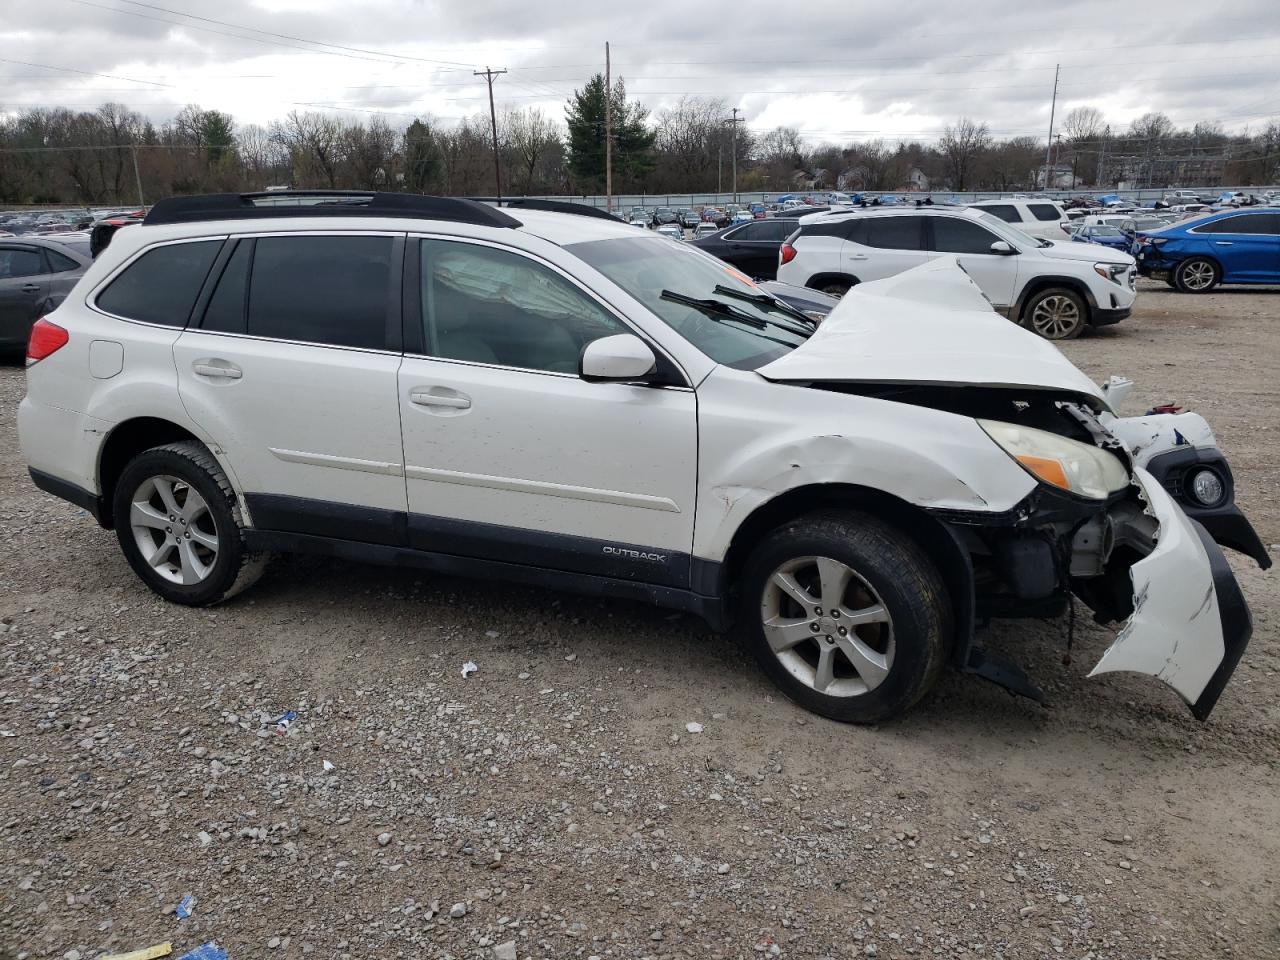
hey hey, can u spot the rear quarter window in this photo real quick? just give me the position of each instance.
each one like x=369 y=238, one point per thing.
x=1044 y=211
x=161 y=286
x=1005 y=211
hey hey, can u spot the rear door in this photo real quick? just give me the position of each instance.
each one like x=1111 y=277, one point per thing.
x=996 y=274
x=24 y=287
x=290 y=367
x=1247 y=245
x=879 y=247
x=753 y=247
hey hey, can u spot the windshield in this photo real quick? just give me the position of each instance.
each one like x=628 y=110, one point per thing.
x=744 y=336
x=1009 y=232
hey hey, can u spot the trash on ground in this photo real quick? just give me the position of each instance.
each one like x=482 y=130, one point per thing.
x=328 y=766
x=468 y=669
x=185 y=907
x=693 y=727
x=282 y=725
x=146 y=953
x=206 y=951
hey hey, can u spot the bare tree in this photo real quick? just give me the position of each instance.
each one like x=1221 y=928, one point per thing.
x=961 y=143
x=531 y=137
x=314 y=144
x=369 y=152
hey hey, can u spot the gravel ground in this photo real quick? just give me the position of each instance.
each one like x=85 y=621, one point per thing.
x=556 y=804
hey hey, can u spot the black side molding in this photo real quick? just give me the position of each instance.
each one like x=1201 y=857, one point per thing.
x=82 y=498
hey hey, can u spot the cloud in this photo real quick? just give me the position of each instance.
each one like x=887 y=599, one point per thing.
x=833 y=70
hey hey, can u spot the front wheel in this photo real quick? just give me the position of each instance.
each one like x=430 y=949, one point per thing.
x=1056 y=314
x=846 y=615
x=179 y=526
x=1196 y=275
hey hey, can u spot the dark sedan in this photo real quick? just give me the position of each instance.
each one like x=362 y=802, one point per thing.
x=36 y=274
x=751 y=247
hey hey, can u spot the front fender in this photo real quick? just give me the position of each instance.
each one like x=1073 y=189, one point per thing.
x=758 y=440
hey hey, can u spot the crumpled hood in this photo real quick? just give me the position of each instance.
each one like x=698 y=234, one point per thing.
x=928 y=325
x=1086 y=252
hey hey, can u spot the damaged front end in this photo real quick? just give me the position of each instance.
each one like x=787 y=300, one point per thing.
x=1129 y=552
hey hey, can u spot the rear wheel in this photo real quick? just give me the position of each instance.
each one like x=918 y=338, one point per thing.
x=846 y=615
x=834 y=288
x=1196 y=275
x=1056 y=313
x=179 y=526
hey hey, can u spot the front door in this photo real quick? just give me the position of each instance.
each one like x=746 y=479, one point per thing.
x=994 y=273
x=509 y=454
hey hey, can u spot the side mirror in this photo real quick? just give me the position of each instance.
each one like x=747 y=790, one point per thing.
x=622 y=357
x=1002 y=247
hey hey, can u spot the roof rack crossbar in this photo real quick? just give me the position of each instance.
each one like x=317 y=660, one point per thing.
x=324 y=203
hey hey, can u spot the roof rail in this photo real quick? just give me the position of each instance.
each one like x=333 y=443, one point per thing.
x=324 y=203
x=553 y=206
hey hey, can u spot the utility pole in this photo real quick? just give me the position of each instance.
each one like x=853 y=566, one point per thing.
x=489 y=76
x=608 y=131
x=733 y=122
x=719 y=171
x=137 y=177
x=1053 y=108
x=1102 y=154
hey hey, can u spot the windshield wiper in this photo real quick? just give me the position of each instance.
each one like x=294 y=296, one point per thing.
x=714 y=309
x=766 y=302
x=722 y=312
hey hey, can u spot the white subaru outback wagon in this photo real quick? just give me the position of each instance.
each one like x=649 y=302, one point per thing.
x=560 y=400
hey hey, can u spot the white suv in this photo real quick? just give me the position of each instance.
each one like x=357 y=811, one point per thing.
x=569 y=402
x=1041 y=218
x=1056 y=289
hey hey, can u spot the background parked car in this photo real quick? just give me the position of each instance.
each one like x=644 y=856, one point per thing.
x=690 y=218
x=1038 y=218
x=665 y=215
x=1103 y=234
x=672 y=230
x=1233 y=246
x=704 y=229
x=752 y=247
x=35 y=276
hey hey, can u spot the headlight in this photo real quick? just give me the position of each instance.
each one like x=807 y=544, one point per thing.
x=1067 y=464
x=1111 y=271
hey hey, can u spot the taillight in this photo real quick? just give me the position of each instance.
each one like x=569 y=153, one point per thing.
x=787 y=253
x=46 y=338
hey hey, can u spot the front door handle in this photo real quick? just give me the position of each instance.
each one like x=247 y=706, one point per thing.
x=31 y=288
x=219 y=369
x=1223 y=243
x=857 y=256
x=424 y=398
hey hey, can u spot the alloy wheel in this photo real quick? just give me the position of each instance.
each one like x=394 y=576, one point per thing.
x=1055 y=316
x=1198 y=275
x=174 y=529
x=827 y=626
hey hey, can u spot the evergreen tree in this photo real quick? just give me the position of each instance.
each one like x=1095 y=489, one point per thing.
x=632 y=139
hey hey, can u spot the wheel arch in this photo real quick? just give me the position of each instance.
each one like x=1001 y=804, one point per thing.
x=816 y=281
x=125 y=441
x=1039 y=284
x=938 y=541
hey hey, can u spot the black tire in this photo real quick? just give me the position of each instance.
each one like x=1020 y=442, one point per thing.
x=1056 y=313
x=1196 y=275
x=1171 y=282
x=905 y=582
x=834 y=288
x=233 y=567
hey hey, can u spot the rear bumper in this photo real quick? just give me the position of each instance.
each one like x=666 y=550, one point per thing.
x=85 y=499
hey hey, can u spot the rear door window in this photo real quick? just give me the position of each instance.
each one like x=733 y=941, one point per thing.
x=20 y=262
x=1005 y=211
x=894 y=233
x=319 y=289
x=161 y=286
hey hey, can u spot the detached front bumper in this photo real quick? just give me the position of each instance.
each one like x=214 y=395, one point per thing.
x=1190 y=623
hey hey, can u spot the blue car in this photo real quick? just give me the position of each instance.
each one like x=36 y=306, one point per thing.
x=1104 y=235
x=1232 y=246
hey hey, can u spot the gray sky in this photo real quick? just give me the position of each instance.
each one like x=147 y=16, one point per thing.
x=835 y=70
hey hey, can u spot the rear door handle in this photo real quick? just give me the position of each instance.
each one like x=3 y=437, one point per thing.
x=31 y=288
x=219 y=369
x=857 y=256
x=1223 y=243
x=425 y=399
